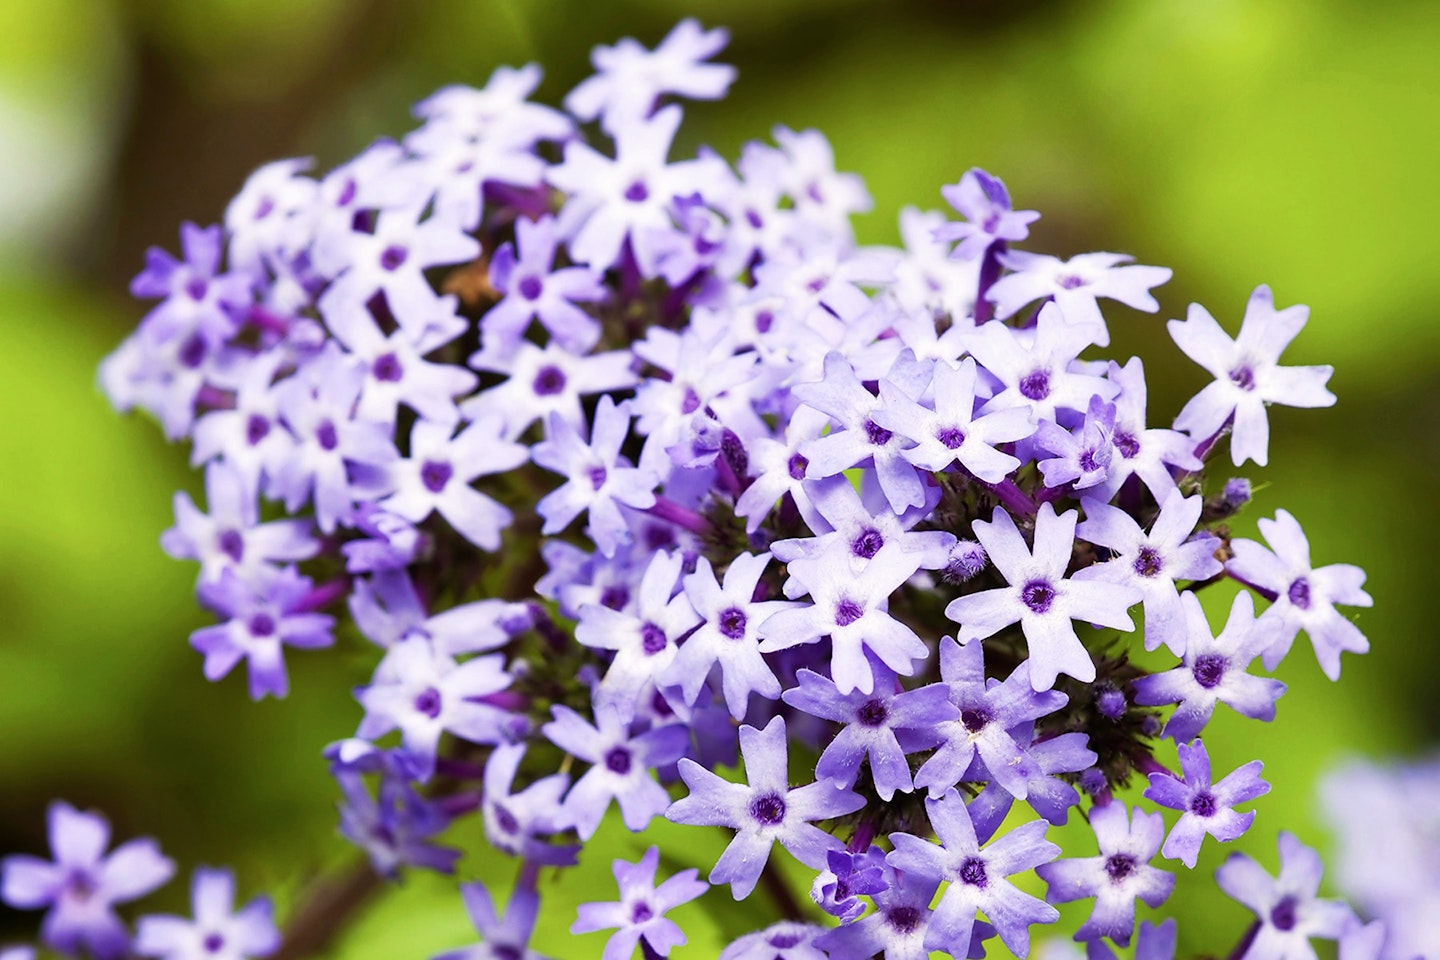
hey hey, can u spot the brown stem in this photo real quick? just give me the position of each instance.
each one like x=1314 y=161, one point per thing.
x=326 y=908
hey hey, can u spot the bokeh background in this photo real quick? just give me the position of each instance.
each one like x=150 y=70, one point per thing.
x=1290 y=142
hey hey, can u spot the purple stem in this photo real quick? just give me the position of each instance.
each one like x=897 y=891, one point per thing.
x=989 y=273
x=459 y=769
x=460 y=804
x=327 y=593
x=1270 y=595
x=1149 y=765
x=684 y=517
x=1012 y=497
x=263 y=319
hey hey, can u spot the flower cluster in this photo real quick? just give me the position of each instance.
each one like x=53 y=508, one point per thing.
x=631 y=467
x=81 y=886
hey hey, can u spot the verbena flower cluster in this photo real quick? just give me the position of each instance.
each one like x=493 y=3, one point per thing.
x=652 y=489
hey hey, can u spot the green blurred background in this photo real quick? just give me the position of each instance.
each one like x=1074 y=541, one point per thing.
x=1289 y=142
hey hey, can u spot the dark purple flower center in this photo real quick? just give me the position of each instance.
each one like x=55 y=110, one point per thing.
x=617 y=760
x=1147 y=562
x=641 y=912
x=1243 y=377
x=1209 y=669
x=386 y=368
x=232 y=544
x=976 y=718
x=506 y=821
x=691 y=403
x=1203 y=804
x=192 y=352
x=782 y=941
x=1038 y=595
x=263 y=208
x=797 y=467
x=1299 y=593
x=972 y=871
x=877 y=434
x=904 y=919
x=731 y=623
x=1119 y=866
x=261 y=625
x=868 y=543
x=597 y=477
x=197 y=288
x=764 y=320
x=531 y=287
x=753 y=218
x=768 y=809
x=213 y=942
x=1072 y=282
x=1127 y=445
x=614 y=597
x=952 y=437
x=257 y=428
x=80 y=885
x=326 y=436
x=872 y=713
x=435 y=474
x=347 y=192
x=847 y=611
x=652 y=639
x=505 y=951
x=991 y=223
x=637 y=192
x=1035 y=386
x=428 y=702
x=549 y=380
x=393 y=257
x=1088 y=463
x=1284 y=916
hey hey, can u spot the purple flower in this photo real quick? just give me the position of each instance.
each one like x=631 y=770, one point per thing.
x=982 y=200
x=846 y=878
x=82 y=885
x=1153 y=943
x=1287 y=908
x=231 y=537
x=1076 y=285
x=218 y=932
x=630 y=80
x=1206 y=807
x=850 y=610
x=897 y=927
x=982 y=714
x=1247 y=374
x=621 y=767
x=263 y=220
x=762 y=812
x=1039 y=597
x=198 y=299
x=249 y=436
x=1117 y=877
x=870 y=720
x=396 y=825
x=600 y=478
x=1214 y=671
x=1036 y=367
x=1045 y=792
x=1140 y=451
x=1082 y=458
x=1153 y=562
x=515 y=821
x=392 y=260
x=951 y=433
x=534 y=290
x=1305 y=597
x=498 y=111
x=976 y=876
x=640 y=912
x=544 y=381
x=501 y=938
x=859 y=439
x=644 y=640
x=786 y=940
x=424 y=693
x=264 y=614
x=778 y=468
x=627 y=198
x=729 y=636
x=436 y=478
